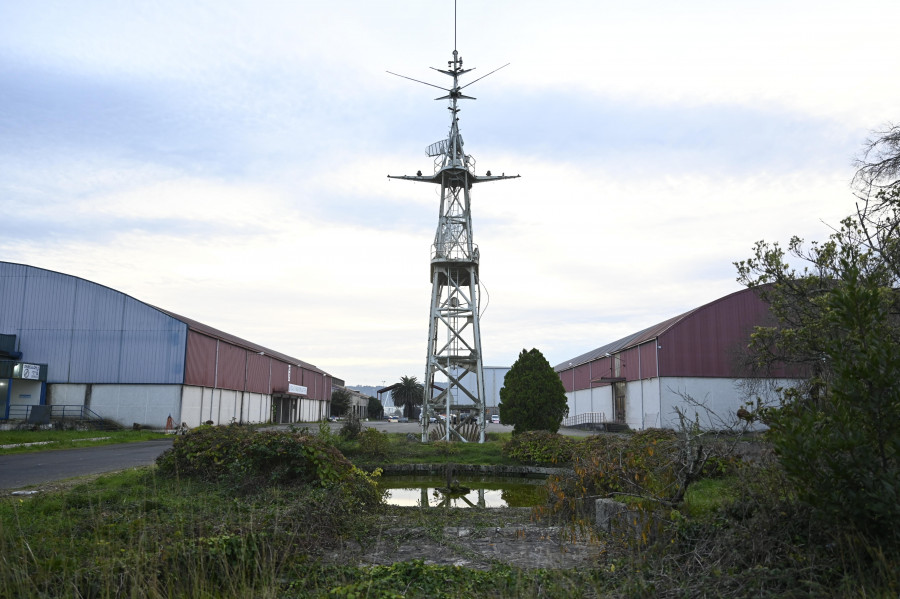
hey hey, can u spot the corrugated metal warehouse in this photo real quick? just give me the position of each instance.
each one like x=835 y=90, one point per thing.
x=640 y=379
x=65 y=341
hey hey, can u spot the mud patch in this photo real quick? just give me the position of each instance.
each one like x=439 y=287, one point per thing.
x=478 y=543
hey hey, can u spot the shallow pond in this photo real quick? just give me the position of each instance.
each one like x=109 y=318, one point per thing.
x=485 y=491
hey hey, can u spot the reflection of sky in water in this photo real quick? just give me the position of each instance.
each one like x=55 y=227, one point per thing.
x=477 y=497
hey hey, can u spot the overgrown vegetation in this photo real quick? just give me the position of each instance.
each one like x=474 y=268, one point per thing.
x=737 y=530
x=837 y=320
x=230 y=512
x=140 y=534
x=540 y=447
x=351 y=428
x=241 y=457
x=417 y=579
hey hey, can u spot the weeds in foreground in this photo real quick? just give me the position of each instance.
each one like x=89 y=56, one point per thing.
x=142 y=534
x=740 y=530
x=164 y=533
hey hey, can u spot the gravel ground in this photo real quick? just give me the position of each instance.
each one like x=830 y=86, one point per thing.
x=478 y=539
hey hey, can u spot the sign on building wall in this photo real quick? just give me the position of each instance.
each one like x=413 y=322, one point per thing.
x=298 y=389
x=31 y=372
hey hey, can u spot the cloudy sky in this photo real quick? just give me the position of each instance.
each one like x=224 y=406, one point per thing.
x=227 y=160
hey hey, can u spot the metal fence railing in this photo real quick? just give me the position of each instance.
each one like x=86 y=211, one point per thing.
x=585 y=418
x=43 y=414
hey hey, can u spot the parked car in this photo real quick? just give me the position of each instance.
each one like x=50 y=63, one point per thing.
x=393 y=419
x=495 y=419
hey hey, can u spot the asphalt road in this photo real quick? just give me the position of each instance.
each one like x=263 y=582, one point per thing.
x=26 y=469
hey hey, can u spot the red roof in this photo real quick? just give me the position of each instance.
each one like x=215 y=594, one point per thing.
x=243 y=343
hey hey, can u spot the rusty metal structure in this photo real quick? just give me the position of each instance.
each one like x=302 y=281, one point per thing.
x=454 y=331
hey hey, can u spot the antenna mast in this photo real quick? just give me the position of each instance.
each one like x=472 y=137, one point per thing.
x=454 y=332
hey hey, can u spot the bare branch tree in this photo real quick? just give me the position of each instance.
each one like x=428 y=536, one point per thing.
x=877 y=185
x=879 y=166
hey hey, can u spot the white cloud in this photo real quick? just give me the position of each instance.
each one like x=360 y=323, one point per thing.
x=228 y=160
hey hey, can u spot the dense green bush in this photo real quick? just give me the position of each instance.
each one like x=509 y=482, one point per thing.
x=842 y=448
x=373 y=443
x=351 y=428
x=532 y=397
x=247 y=458
x=540 y=447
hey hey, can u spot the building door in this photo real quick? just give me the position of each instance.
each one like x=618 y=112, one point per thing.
x=619 y=402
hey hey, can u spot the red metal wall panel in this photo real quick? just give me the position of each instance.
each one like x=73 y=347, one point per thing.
x=320 y=392
x=296 y=375
x=568 y=379
x=312 y=384
x=583 y=376
x=200 y=360
x=280 y=376
x=601 y=368
x=232 y=366
x=630 y=364
x=710 y=341
x=258 y=373
x=647 y=360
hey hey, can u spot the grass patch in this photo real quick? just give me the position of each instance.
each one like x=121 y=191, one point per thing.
x=416 y=579
x=141 y=534
x=56 y=439
x=710 y=495
x=399 y=450
x=154 y=533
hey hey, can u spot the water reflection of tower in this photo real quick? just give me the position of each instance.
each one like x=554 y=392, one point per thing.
x=454 y=330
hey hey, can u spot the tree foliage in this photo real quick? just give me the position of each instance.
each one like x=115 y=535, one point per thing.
x=408 y=394
x=532 y=397
x=837 y=317
x=375 y=409
x=340 y=401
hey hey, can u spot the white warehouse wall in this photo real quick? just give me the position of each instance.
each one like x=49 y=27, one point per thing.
x=720 y=398
x=22 y=393
x=199 y=404
x=147 y=405
x=650 y=403
x=493 y=382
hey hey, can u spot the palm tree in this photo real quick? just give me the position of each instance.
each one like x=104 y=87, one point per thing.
x=408 y=394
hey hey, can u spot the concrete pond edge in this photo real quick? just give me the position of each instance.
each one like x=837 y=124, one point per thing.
x=476 y=469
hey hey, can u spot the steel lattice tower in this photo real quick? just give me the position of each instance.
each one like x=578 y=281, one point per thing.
x=454 y=331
